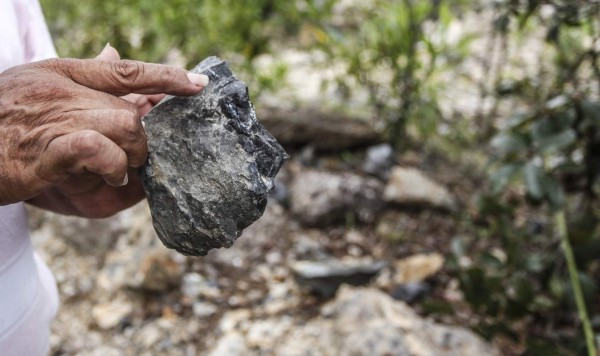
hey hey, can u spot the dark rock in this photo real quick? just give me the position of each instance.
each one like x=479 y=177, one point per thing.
x=410 y=292
x=379 y=160
x=210 y=164
x=280 y=193
x=324 y=278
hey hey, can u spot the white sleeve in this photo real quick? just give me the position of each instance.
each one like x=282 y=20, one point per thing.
x=37 y=41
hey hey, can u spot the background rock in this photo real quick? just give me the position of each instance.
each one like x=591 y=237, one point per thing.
x=109 y=315
x=87 y=236
x=417 y=268
x=325 y=131
x=379 y=160
x=359 y=321
x=409 y=187
x=324 y=278
x=145 y=266
x=319 y=198
x=410 y=292
x=363 y=321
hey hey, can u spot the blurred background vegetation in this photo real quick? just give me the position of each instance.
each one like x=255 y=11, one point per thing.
x=531 y=125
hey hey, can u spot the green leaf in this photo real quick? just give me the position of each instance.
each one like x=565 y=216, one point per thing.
x=493 y=306
x=558 y=286
x=591 y=111
x=516 y=310
x=554 y=193
x=543 y=303
x=588 y=287
x=457 y=247
x=552 y=134
x=503 y=176
x=557 y=102
x=534 y=263
x=507 y=143
x=557 y=142
x=541 y=186
x=491 y=261
x=518 y=119
x=475 y=287
x=534 y=180
x=437 y=307
x=522 y=288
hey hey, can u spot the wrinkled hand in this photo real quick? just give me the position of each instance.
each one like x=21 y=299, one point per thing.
x=68 y=141
x=144 y=103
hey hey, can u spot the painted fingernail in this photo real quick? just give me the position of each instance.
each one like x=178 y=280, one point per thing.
x=200 y=80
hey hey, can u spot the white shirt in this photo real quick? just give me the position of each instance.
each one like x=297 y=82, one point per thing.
x=28 y=295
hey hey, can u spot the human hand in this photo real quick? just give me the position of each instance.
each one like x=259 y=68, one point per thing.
x=144 y=103
x=69 y=141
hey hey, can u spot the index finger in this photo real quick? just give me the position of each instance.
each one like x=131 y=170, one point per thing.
x=123 y=77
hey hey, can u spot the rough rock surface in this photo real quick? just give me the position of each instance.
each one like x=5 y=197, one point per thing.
x=210 y=164
x=324 y=278
x=359 y=321
x=386 y=327
x=95 y=237
x=378 y=160
x=325 y=131
x=319 y=198
x=408 y=186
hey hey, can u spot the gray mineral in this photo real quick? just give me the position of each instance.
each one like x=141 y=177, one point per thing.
x=210 y=164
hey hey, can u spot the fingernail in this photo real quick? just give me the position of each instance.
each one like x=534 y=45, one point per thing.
x=108 y=47
x=198 y=79
x=126 y=180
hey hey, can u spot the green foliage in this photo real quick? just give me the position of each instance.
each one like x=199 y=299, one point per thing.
x=551 y=152
x=516 y=274
x=556 y=142
x=392 y=54
x=384 y=49
x=148 y=29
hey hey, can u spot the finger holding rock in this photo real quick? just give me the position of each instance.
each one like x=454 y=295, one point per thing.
x=120 y=123
x=85 y=151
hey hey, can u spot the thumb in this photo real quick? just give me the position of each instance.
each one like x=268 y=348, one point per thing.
x=109 y=54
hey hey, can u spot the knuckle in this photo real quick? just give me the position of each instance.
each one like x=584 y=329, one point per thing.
x=138 y=160
x=86 y=143
x=133 y=138
x=138 y=153
x=53 y=64
x=118 y=162
x=112 y=163
x=169 y=75
x=127 y=71
x=130 y=125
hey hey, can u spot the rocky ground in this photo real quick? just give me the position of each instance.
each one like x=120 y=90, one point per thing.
x=378 y=228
